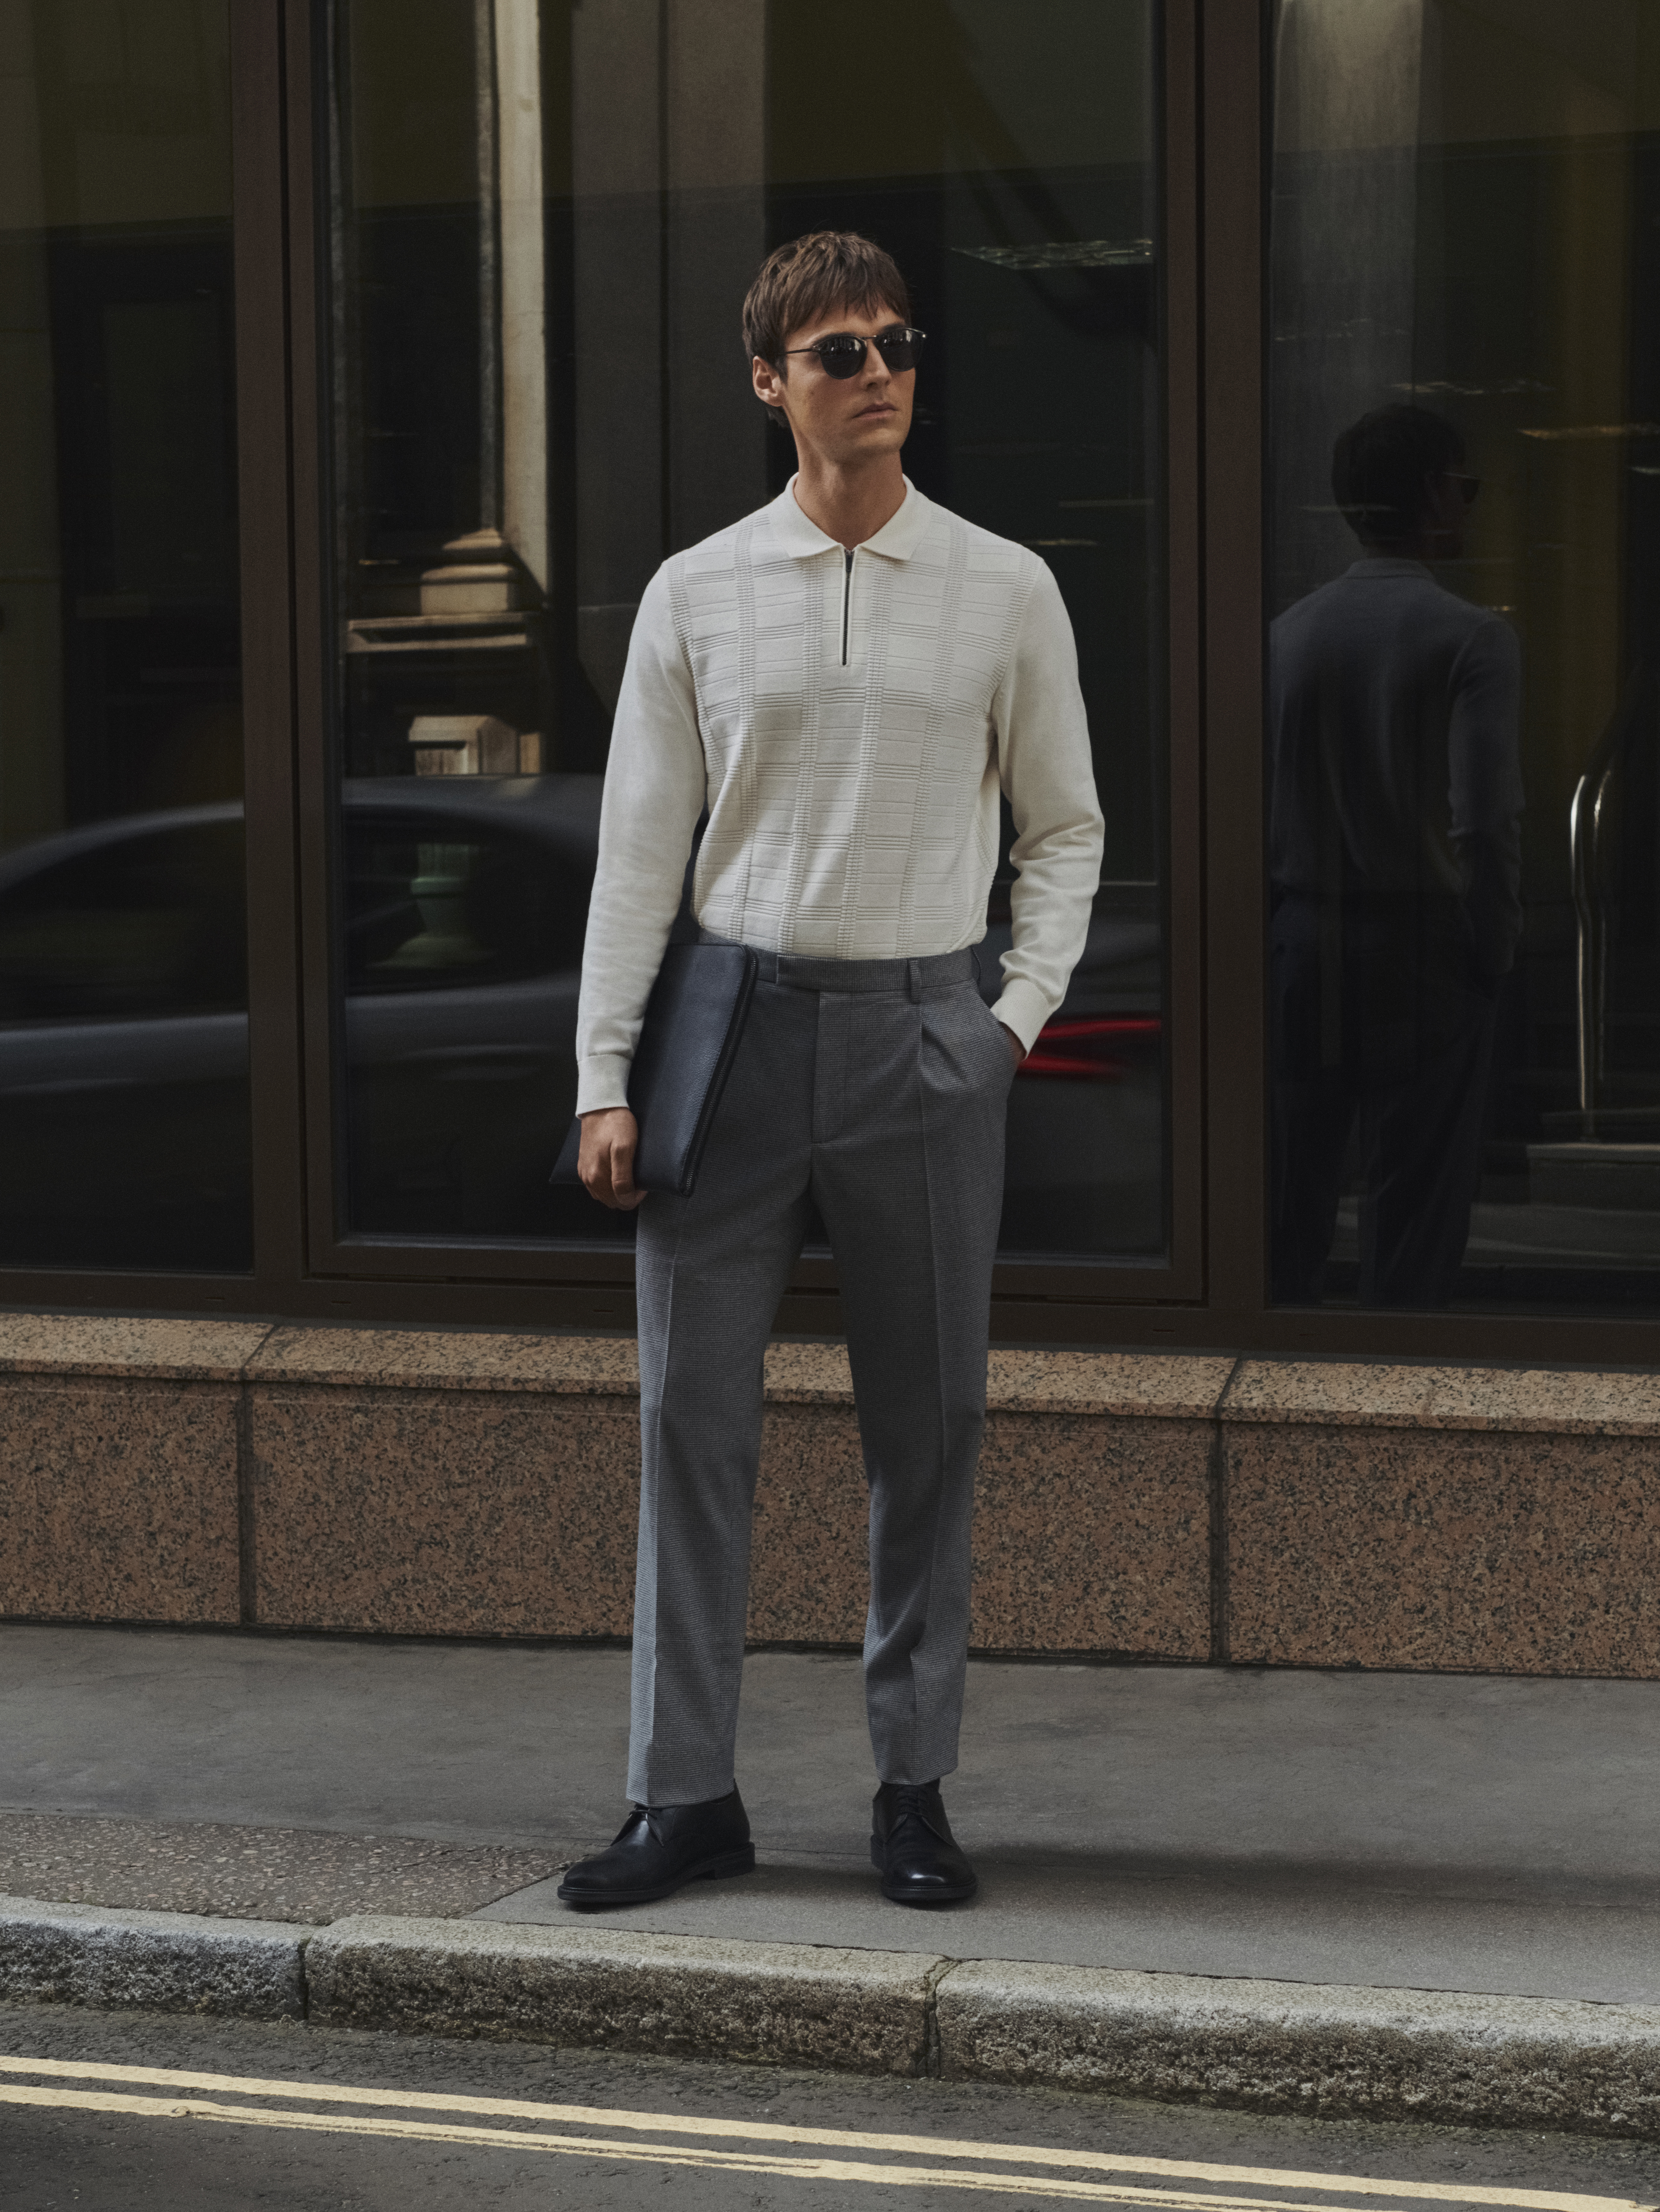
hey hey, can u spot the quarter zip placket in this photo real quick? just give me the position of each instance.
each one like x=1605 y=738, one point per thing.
x=847 y=596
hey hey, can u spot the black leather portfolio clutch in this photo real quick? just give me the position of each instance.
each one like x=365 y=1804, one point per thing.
x=694 y=1019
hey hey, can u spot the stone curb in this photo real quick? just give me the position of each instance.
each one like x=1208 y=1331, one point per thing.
x=792 y=2004
x=1257 y=2045
x=1303 y=2047
x=165 y=1961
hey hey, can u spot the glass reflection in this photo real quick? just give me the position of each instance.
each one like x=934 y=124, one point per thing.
x=546 y=219
x=1394 y=858
x=124 y=1112
x=1466 y=225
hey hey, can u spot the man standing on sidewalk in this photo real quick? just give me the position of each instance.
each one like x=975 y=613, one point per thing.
x=845 y=682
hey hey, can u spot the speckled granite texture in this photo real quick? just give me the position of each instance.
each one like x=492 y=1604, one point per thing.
x=1496 y=1519
x=1423 y=2055
x=128 y=1345
x=1092 y=1534
x=1528 y=1553
x=119 y=1498
x=807 y=1570
x=460 y=1512
x=1160 y=1386
x=1168 y=1506
x=1356 y=1394
x=87 y=1954
x=117 y=1443
x=448 y=1359
x=779 y=2003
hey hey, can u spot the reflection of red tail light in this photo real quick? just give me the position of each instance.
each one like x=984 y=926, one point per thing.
x=1083 y=1045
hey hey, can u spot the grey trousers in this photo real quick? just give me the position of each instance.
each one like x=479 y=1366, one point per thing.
x=878 y=1089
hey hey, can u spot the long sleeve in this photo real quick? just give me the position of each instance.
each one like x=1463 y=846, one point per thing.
x=655 y=784
x=1049 y=780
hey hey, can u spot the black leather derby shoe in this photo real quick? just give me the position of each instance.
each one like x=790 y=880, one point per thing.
x=659 y=1849
x=912 y=1847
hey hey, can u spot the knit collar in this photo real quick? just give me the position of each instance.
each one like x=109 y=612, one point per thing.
x=802 y=539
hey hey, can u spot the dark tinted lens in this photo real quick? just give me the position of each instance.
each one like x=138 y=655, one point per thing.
x=899 y=348
x=840 y=357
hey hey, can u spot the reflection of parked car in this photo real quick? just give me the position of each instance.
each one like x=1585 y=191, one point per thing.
x=123 y=1030
x=124 y=1124
x=124 y=1113
x=464 y=905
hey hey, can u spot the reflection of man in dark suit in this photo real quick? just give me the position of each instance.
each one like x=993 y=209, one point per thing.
x=1394 y=853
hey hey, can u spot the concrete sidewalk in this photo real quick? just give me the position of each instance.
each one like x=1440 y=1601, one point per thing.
x=1418 y=1894
x=1448 y=1832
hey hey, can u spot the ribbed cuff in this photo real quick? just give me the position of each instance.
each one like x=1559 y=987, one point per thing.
x=1024 y=1009
x=601 y=1082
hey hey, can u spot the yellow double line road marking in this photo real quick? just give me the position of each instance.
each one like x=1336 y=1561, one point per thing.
x=747 y=2162
x=212 y=2089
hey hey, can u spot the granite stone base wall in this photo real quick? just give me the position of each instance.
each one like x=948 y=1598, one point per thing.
x=119 y=1453
x=1478 y=1519
x=1164 y=1506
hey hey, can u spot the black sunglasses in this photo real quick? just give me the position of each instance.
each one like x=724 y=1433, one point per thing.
x=842 y=354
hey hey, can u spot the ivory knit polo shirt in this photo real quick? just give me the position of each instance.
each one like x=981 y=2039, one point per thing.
x=849 y=721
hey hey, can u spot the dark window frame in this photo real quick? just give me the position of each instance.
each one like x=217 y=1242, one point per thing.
x=1213 y=1294
x=1028 y=1296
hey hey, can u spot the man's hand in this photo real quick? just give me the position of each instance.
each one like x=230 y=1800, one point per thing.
x=1018 y=1051
x=605 y=1162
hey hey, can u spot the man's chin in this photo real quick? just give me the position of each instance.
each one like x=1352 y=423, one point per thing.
x=873 y=439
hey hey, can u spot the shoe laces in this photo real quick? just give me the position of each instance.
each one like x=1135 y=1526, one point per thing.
x=914 y=1801
x=652 y=1818
x=910 y=1796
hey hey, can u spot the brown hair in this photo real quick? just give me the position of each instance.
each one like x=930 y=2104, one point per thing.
x=799 y=282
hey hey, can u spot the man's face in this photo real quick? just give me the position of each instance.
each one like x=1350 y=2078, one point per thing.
x=847 y=420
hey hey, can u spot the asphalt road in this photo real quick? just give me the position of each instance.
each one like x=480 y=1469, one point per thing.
x=315 y=2120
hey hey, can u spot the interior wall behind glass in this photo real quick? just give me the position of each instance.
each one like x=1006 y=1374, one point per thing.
x=122 y=996
x=1467 y=223
x=546 y=219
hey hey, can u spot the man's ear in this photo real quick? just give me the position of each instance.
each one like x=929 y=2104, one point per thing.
x=768 y=383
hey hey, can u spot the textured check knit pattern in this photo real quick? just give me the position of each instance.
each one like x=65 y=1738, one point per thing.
x=853 y=802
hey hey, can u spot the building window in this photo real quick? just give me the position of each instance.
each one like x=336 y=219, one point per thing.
x=544 y=219
x=1464 y=729
x=124 y=1093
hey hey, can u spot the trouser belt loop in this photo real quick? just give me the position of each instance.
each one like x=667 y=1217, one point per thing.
x=913 y=972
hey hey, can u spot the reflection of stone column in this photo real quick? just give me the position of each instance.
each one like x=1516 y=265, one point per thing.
x=522 y=284
x=513 y=381
x=1346 y=104
x=489 y=269
x=481 y=595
